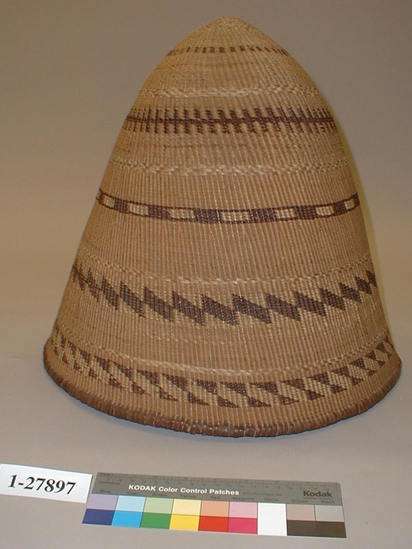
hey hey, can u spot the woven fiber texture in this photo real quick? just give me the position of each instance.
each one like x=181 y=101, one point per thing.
x=223 y=284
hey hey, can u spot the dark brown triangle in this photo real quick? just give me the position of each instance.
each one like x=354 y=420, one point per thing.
x=113 y=381
x=103 y=363
x=381 y=347
x=165 y=396
x=72 y=348
x=360 y=363
x=337 y=388
x=324 y=378
x=124 y=369
x=287 y=400
x=269 y=386
x=225 y=403
x=379 y=362
x=299 y=383
x=137 y=389
x=187 y=308
x=131 y=299
x=247 y=307
x=239 y=388
x=284 y=308
x=218 y=310
x=371 y=277
x=78 y=274
x=158 y=305
x=255 y=403
x=194 y=400
x=345 y=372
x=109 y=293
x=210 y=386
x=153 y=377
x=179 y=381
x=363 y=285
x=349 y=293
x=356 y=380
x=312 y=305
x=312 y=395
x=92 y=285
x=85 y=356
x=329 y=298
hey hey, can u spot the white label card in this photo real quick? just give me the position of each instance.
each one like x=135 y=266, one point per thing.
x=39 y=482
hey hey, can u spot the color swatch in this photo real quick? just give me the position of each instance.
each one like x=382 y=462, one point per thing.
x=212 y=510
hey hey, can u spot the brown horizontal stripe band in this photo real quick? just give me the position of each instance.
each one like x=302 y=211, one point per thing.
x=227 y=49
x=274 y=119
x=225 y=394
x=208 y=215
x=206 y=307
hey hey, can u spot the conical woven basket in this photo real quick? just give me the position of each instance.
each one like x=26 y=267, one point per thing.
x=223 y=284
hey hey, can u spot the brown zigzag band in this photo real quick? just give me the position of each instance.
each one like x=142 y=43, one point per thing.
x=172 y=121
x=166 y=310
x=204 y=392
x=230 y=49
x=205 y=215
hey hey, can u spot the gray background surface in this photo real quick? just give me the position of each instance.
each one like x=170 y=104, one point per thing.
x=69 y=73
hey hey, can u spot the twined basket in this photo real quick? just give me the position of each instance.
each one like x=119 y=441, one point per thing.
x=223 y=284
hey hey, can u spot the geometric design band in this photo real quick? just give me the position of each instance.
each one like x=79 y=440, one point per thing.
x=224 y=121
x=208 y=215
x=227 y=49
x=210 y=308
x=198 y=389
